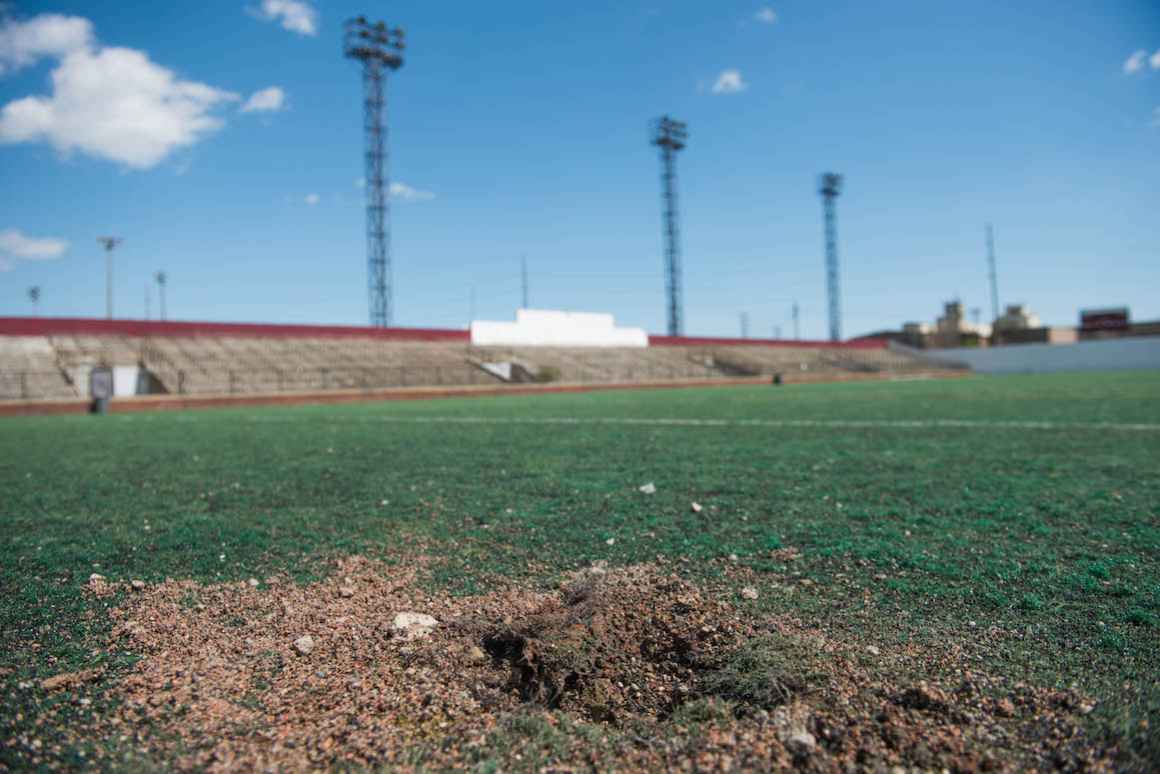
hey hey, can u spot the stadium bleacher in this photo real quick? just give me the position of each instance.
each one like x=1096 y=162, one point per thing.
x=49 y=359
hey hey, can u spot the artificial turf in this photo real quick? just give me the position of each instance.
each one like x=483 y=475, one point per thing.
x=909 y=531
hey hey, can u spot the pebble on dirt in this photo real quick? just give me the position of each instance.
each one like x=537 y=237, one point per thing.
x=414 y=626
x=304 y=644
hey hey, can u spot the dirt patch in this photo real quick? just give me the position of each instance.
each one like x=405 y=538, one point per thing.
x=630 y=668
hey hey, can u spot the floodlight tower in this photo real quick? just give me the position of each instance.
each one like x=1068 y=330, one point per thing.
x=34 y=297
x=796 y=320
x=110 y=243
x=161 y=278
x=993 y=275
x=379 y=48
x=670 y=136
x=829 y=186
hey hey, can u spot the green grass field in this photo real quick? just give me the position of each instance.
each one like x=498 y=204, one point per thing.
x=924 y=511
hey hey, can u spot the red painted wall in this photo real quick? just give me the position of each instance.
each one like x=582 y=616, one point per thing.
x=695 y=341
x=50 y=326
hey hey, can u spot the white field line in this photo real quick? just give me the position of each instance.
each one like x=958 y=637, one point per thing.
x=888 y=424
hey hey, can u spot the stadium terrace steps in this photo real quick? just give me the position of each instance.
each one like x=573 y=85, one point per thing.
x=56 y=364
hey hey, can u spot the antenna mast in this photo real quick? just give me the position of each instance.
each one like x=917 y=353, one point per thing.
x=379 y=48
x=993 y=274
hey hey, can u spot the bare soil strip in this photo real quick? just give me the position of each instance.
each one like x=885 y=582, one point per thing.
x=630 y=668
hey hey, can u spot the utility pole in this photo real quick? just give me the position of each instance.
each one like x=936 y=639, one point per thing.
x=110 y=243
x=524 y=279
x=34 y=297
x=161 y=280
x=829 y=187
x=670 y=136
x=993 y=274
x=745 y=325
x=146 y=300
x=379 y=48
x=796 y=317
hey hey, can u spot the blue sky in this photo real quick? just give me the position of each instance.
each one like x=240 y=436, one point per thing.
x=521 y=128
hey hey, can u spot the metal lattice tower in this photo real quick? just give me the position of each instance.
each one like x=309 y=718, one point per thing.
x=162 y=279
x=829 y=187
x=379 y=48
x=670 y=136
x=993 y=274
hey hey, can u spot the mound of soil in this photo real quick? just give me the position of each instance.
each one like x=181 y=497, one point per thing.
x=629 y=668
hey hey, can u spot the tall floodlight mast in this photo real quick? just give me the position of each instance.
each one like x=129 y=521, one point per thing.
x=162 y=279
x=34 y=297
x=993 y=274
x=829 y=187
x=379 y=48
x=109 y=243
x=670 y=136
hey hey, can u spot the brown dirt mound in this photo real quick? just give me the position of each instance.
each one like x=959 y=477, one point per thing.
x=629 y=668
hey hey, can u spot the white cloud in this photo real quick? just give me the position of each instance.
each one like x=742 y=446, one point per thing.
x=1154 y=60
x=766 y=15
x=729 y=82
x=1135 y=63
x=406 y=193
x=115 y=104
x=312 y=199
x=50 y=34
x=294 y=15
x=267 y=100
x=16 y=246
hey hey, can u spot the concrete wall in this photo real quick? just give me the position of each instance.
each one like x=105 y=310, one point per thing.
x=1107 y=355
x=547 y=328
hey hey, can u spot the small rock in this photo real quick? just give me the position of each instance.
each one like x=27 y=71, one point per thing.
x=96 y=577
x=873 y=650
x=749 y=592
x=802 y=743
x=476 y=655
x=414 y=626
x=734 y=557
x=649 y=488
x=138 y=585
x=610 y=541
x=697 y=507
x=304 y=644
x=345 y=591
x=253 y=583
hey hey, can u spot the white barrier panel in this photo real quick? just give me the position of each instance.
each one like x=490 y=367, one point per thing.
x=547 y=328
x=1102 y=355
